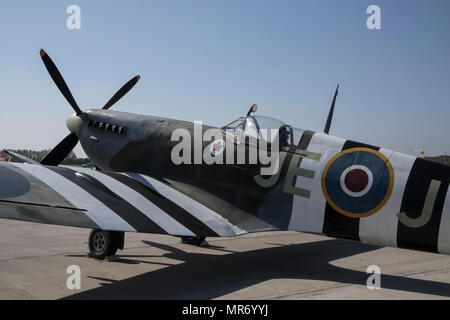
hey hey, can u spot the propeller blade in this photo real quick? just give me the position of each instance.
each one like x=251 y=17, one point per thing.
x=121 y=92
x=330 y=113
x=59 y=81
x=60 y=152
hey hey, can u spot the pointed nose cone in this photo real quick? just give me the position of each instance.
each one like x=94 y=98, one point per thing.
x=74 y=124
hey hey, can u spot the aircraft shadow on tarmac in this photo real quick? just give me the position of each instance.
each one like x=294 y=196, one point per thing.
x=208 y=276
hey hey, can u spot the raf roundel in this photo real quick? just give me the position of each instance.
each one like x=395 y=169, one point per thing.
x=357 y=182
x=217 y=147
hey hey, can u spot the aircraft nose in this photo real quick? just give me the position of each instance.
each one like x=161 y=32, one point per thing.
x=74 y=124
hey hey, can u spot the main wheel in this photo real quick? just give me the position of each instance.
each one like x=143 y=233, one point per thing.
x=102 y=243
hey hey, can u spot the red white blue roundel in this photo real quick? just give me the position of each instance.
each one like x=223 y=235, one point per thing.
x=357 y=182
x=217 y=147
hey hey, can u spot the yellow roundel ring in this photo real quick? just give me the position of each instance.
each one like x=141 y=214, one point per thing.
x=357 y=182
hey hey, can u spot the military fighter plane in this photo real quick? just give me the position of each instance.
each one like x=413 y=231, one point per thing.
x=323 y=184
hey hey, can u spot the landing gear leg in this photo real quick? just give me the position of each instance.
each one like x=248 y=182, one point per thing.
x=196 y=241
x=103 y=243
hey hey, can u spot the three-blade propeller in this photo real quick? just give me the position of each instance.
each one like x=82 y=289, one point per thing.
x=60 y=152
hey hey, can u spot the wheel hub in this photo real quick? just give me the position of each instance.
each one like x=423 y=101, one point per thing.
x=99 y=242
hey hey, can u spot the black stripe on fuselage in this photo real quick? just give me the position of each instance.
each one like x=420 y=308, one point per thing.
x=336 y=224
x=303 y=144
x=135 y=218
x=171 y=208
x=417 y=187
x=277 y=205
x=305 y=140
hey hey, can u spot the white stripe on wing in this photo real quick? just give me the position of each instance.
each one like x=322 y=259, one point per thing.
x=148 y=208
x=212 y=219
x=103 y=216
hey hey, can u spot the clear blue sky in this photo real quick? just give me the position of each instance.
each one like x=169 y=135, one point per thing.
x=211 y=60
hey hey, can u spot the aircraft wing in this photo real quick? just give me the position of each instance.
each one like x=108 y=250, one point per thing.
x=81 y=197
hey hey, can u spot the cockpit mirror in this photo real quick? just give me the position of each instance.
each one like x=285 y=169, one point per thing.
x=253 y=108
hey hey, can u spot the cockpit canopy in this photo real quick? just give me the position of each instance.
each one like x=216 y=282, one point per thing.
x=258 y=127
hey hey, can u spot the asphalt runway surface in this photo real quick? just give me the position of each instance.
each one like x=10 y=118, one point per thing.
x=274 y=265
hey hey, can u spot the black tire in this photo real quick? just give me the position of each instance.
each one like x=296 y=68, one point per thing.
x=196 y=241
x=102 y=244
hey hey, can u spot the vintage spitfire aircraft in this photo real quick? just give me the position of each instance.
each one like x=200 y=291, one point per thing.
x=323 y=184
